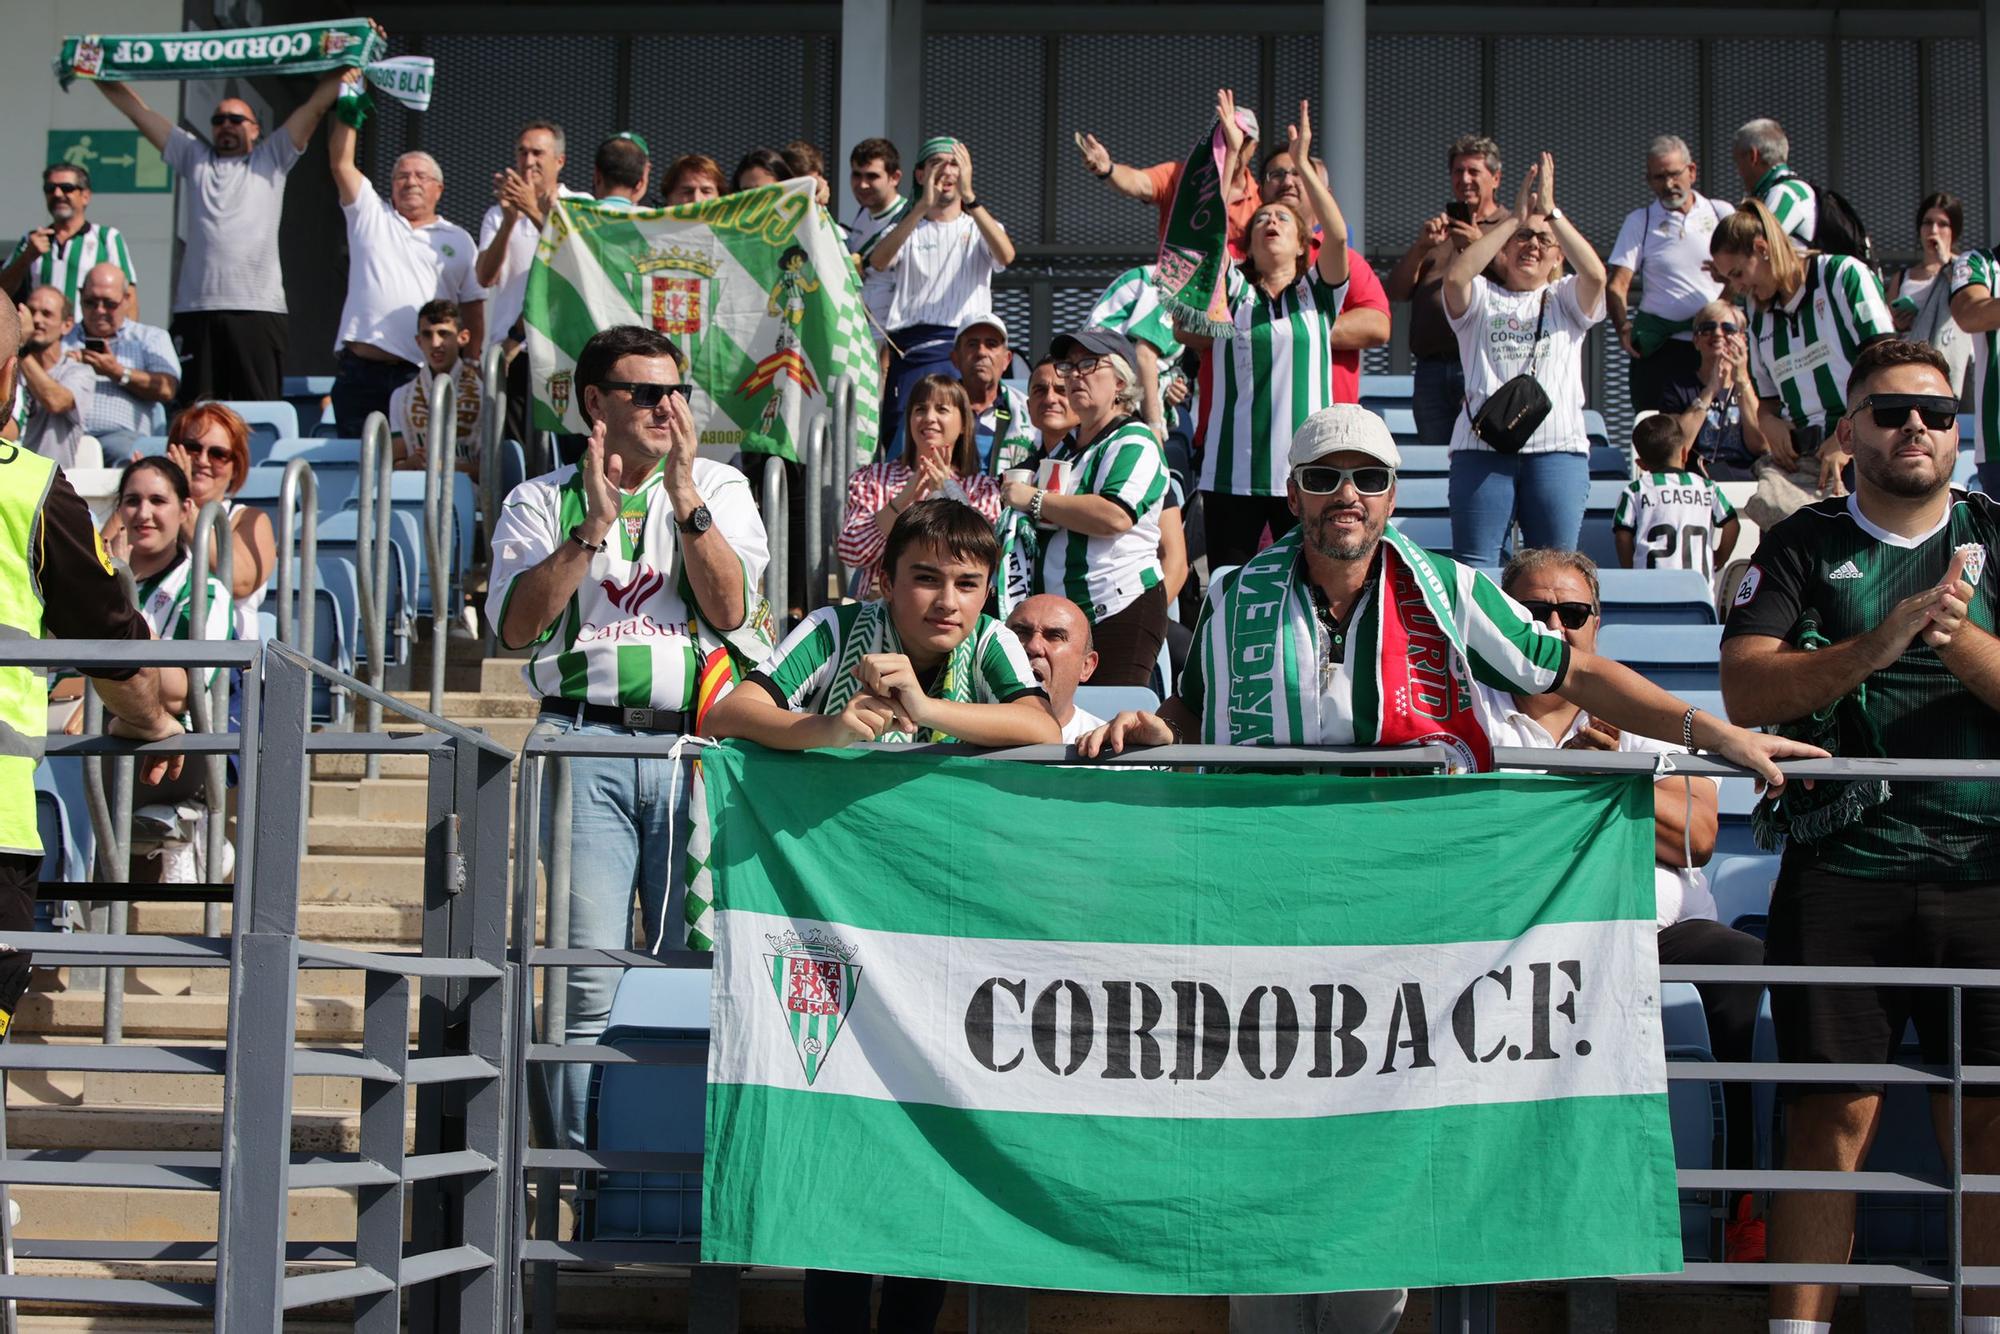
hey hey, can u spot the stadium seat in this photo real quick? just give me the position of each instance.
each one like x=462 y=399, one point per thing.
x=1603 y=500
x=1735 y=799
x=1403 y=425
x=1423 y=497
x=336 y=468
x=1694 y=1108
x=268 y=422
x=1741 y=886
x=1595 y=541
x=307 y=394
x=406 y=492
x=145 y=446
x=1387 y=391
x=655 y=1108
x=1609 y=461
x=1424 y=461
x=1110 y=701
x=1655 y=597
x=1594 y=427
x=1430 y=531
x=1676 y=657
x=337 y=540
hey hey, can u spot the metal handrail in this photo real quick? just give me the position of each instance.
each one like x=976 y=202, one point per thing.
x=371 y=559
x=298 y=508
x=440 y=513
x=210 y=705
x=817 y=473
x=839 y=465
x=777 y=531
x=492 y=431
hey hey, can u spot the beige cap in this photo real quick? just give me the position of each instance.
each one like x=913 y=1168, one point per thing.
x=1344 y=428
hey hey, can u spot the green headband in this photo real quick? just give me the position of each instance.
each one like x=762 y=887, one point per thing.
x=937 y=146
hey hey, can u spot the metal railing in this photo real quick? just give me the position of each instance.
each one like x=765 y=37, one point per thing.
x=453 y=1267
x=298 y=523
x=209 y=703
x=371 y=565
x=440 y=519
x=778 y=536
x=492 y=431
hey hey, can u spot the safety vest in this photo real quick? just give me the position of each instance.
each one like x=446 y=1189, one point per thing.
x=25 y=478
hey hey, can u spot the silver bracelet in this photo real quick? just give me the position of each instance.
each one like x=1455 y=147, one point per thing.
x=1687 y=728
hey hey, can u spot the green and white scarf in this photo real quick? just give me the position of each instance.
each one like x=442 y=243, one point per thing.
x=1193 y=267
x=1020 y=551
x=244 y=53
x=874 y=632
x=1264 y=690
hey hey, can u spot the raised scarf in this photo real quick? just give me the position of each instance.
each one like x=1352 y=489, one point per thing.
x=1193 y=268
x=242 y=53
x=1417 y=670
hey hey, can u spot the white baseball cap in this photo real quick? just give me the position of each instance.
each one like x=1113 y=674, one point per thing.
x=985 y=320
x=1344 y=428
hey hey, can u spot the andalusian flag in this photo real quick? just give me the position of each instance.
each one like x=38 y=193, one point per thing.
x=1177 y=1033
x=756 y=288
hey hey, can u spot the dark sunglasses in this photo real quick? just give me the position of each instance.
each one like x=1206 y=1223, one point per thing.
x=647 y=394
x=1717 y=326
x=61 y=188
x=1572 y=614
x=1318 y=479
x=222 y=118
x=102 y=302
x=1936 y=411
x=213 y=453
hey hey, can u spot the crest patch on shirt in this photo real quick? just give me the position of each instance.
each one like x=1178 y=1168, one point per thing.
x=1748 y=588
x=1975 y=561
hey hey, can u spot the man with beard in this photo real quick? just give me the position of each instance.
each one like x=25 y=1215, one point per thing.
x=1866 y=621
x=70 y=246
x=57 y=387
x=1665 y=246
x=230 y=320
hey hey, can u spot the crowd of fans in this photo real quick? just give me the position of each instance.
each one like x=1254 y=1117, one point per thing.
x=1762 y=347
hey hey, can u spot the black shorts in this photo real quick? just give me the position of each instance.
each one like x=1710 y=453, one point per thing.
x=1825 y=920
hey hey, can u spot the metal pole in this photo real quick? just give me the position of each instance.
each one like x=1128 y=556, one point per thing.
x=778 y=535
x=371 y=554
x=440 y=463
x=492 y=432
x=1343 y=109
x=298 y=509
x=839 y=433
x=816 y=472
x=210 y=702
x=122 y=777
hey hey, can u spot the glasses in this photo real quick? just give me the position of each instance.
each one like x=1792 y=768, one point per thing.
x=1890 y=411
x=1573 y=615
x=1717 y=326
x=1081 y=366
x=222 y=118
x=1282 y=174
x=102 y=302
x=61 y=188
x=648 y=395
x=1526 y=239
x=213 y=453
x=1318 y=479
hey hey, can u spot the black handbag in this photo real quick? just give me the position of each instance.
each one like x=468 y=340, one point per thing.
x=1513 y=412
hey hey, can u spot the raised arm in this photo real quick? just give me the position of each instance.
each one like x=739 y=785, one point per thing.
x=990 y=230
x=340 y=137
x=1332 y=226
x=885 y=251
x=1128 y=181
x=1582 y=256
x=1470 y=262
x=1401 y=281
x=157 y=128
x=307 y=116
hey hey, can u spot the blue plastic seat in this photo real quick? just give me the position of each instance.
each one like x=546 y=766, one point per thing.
x=1110 y=701
x=1424 y=461
x=1387 y=391
x=1609 y=461
x=1403 y=425
x=1430 y=531
x=269 y=422
x=1594 y=427
x=337 y=540
x=1603 y=499
x=1676 y=657
x=650 y=1108
x=1423 y=497
x=1655 y=597
x=1741 y=887
x=307 y=395
x=1694 y=1108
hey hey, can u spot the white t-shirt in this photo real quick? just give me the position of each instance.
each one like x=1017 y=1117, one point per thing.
x=1080 y=721
x=231 y=207
x=1496 y=336
x=1666 y=251
x=394 y=268
x=877 y=287
x=510 y=287
x=944 y=275
x=1679 y=894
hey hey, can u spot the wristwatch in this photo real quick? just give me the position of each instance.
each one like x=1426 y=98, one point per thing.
x=1555 y=215
x=124 y=377
x=699 y=520
x=970 y=204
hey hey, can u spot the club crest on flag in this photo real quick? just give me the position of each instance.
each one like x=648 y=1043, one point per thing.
x=559 y=391
x=814 y=979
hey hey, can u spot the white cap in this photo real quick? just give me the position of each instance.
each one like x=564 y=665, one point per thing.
x=1344 y=428
x=984 y=320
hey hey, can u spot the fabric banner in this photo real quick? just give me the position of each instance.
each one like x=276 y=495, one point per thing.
x=232 y=53
x=755 y=288
x=1183 y=1034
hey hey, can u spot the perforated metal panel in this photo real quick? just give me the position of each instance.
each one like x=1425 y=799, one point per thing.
x=988 y=91
x=725 y=95
x=1016 y=306
x=569 y=80
x=1880 y=172
x=1147 y=99
x=386 y=135
x=1783 y=79
x=1958 y=157
x=1423 y=93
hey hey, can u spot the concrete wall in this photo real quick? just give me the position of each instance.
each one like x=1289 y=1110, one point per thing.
x=31 y=104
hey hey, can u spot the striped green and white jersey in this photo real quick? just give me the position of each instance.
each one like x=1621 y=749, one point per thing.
x=66 y=262
x=1792 y=202
x=800 y=671
x=1257 y=387
x=627 y=637
x=1674 y=517
x=167 y=604
x=1006 y=435
x=1105 y=575
x=1802 y=351
x=863 y=235
x=1131 y=306
x=1976 y=269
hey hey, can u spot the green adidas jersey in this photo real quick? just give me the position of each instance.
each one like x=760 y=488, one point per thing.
x=1105 y=575
x=1801 y=352
x=1976 y=268
x=1830 y=566
x=800 y=671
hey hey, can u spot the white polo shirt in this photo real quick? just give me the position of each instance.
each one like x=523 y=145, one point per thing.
x=510 y=287
x=394 y=268
x=1665 y=251
x=1679 y=894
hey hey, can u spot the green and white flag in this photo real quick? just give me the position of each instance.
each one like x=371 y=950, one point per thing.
x=1183 y=1034
x=756 y=288
x=248 y=53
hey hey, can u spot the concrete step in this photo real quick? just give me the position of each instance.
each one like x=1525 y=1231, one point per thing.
x=473 y=707
x=365 y=837
x=320 y=1019
x=391 y=799
x=502 y=676
x=349 y=877
x=176 y=1129
x=324 y=921
x=111 y=1214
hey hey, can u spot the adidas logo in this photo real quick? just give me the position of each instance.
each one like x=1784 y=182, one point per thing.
x=1847 y=570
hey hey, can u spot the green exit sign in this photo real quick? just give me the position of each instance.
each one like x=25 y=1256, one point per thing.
x=120 y=162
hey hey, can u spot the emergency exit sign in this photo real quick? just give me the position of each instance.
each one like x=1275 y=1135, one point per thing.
x=120 y=162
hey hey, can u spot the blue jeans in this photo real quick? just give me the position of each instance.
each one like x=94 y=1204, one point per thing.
x=626 y=816
x=361 y=386
x=1488 y=490
x=1437 y=396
